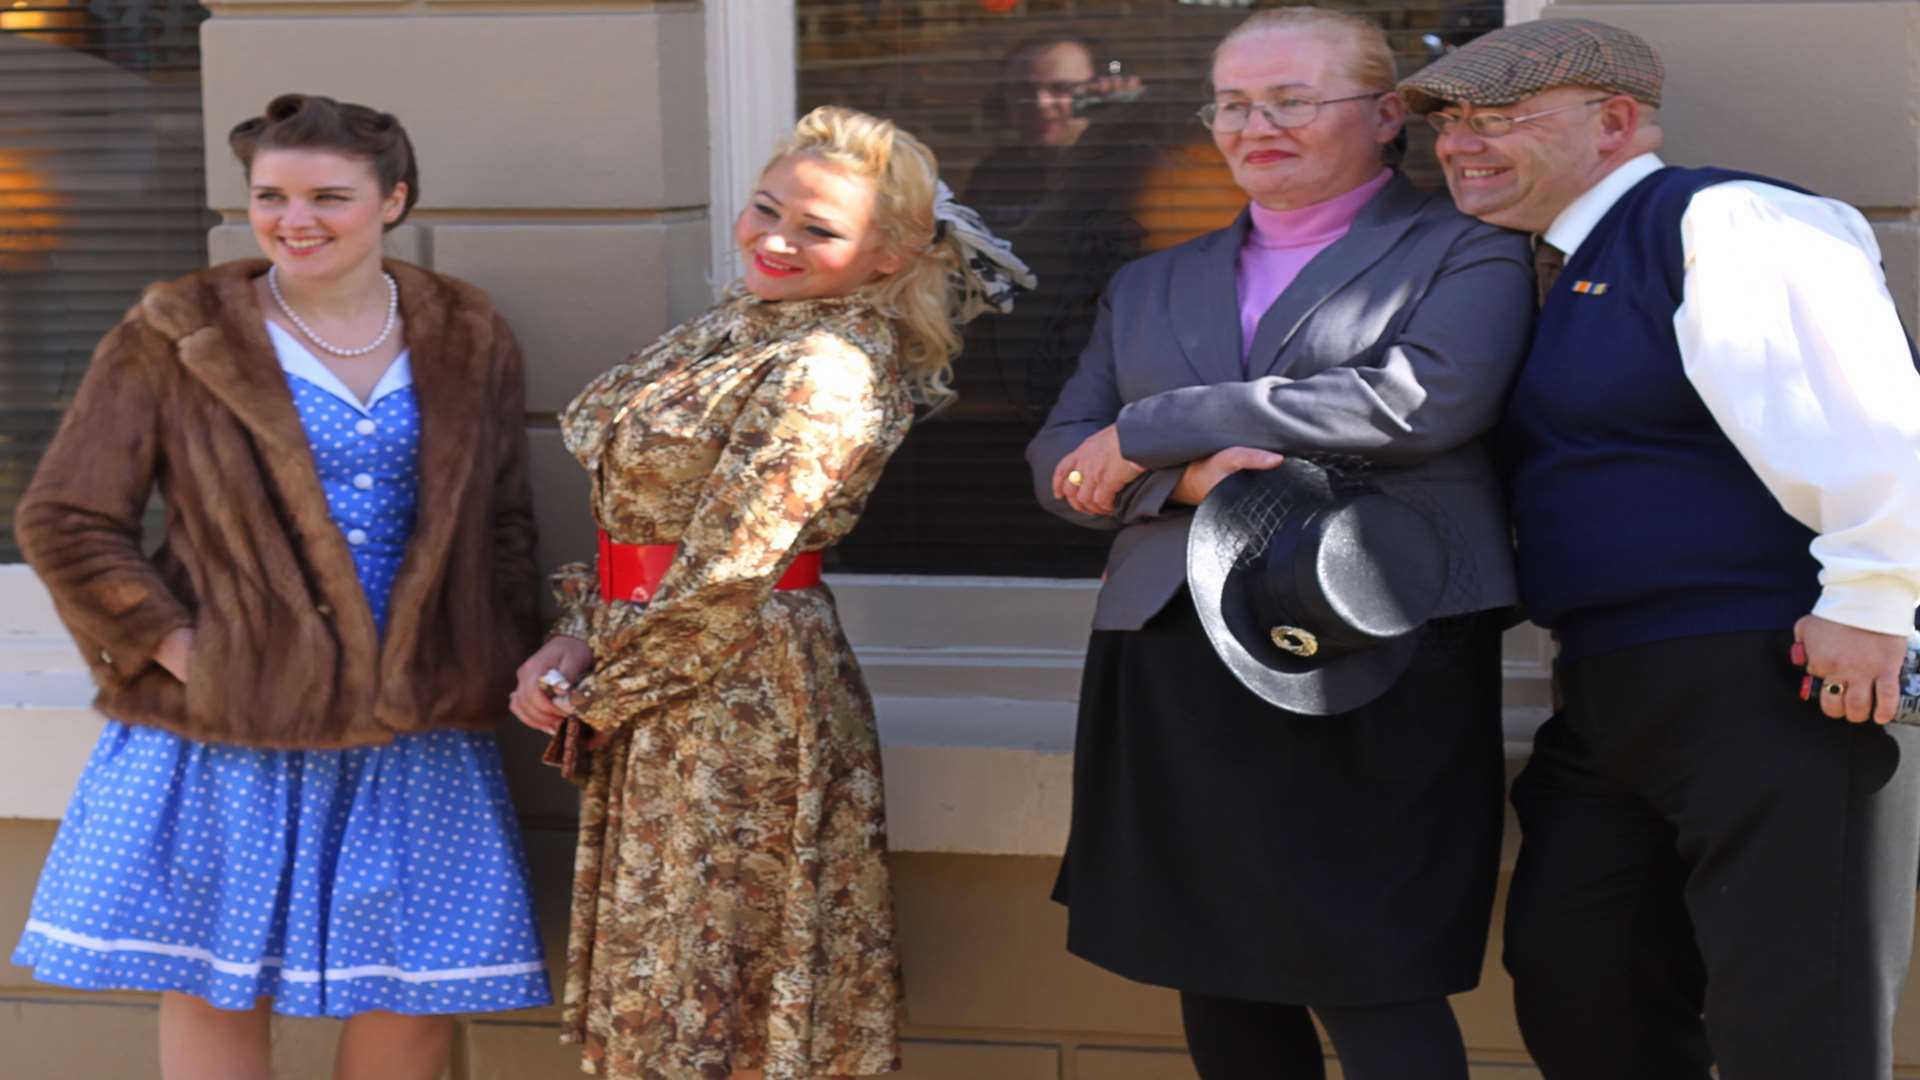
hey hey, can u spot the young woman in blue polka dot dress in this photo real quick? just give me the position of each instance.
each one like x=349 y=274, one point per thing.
x=296 y=805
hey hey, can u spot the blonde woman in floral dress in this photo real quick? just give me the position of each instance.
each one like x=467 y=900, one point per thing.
x=731 y=910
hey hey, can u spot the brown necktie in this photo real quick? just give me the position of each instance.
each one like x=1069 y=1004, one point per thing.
x=1547 y=264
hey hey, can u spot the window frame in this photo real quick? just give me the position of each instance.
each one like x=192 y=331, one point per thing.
x=752 y=102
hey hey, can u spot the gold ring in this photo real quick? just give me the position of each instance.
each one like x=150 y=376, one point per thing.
x=1835 y=689
x=1074 y=477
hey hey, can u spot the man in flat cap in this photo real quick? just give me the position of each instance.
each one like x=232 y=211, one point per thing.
x=1715 y=471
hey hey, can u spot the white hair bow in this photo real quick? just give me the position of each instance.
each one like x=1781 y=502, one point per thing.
x=992 y=275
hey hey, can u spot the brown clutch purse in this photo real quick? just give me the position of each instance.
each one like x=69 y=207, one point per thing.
x=567 y=749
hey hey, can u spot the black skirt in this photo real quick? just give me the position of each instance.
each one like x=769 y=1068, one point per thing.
x=1223 y=846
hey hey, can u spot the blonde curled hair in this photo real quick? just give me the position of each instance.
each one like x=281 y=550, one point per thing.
x=918 y=297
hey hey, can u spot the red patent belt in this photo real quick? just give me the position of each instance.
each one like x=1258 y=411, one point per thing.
x=632 y=572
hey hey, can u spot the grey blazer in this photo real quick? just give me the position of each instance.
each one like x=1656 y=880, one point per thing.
x=1397 y=344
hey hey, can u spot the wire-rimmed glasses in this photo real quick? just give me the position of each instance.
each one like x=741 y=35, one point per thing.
x=1493 y=125
x=1228 y=117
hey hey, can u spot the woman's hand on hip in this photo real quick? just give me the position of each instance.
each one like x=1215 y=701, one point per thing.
x=1201 y=476
x=532 y=703
x=1089 y=477
x=175 y=652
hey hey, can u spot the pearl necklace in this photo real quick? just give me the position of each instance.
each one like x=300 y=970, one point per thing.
x=393 y=312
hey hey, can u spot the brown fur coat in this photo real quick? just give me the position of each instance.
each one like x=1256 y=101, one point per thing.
x=187 y=393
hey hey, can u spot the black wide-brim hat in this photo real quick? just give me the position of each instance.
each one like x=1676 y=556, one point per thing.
x=1314 y=588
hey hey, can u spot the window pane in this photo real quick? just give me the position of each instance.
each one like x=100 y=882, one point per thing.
x=1079 y=188
x=101 y=192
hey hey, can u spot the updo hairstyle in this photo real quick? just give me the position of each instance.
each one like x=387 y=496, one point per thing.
x=1369 y=60
x=921 y=297
x=312 y=122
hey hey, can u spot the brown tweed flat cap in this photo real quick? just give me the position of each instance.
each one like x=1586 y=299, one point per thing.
x=1511 y=63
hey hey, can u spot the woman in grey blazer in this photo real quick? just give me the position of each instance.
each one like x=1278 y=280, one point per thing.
x=1261 y=862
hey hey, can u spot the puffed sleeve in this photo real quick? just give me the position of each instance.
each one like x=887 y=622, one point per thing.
x=806 y=429
x=576 y=591
x=79 y=522
x=1791 y=338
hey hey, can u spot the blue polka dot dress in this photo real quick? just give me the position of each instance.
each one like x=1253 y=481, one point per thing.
x=332 y=881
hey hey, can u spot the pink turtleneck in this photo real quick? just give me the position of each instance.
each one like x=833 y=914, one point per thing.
x=1280 y=243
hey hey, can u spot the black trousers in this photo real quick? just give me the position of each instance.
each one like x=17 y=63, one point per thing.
x=1711 y=871
x=1231 y=1039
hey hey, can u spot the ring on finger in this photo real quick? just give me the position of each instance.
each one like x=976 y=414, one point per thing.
x=1835 y=689
x=1074 y=477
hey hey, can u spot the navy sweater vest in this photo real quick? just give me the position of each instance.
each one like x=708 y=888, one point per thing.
x=1636 y=519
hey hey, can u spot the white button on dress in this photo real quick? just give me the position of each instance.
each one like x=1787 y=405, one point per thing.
x=363 y=481
x=356 y=537
x=366 y=427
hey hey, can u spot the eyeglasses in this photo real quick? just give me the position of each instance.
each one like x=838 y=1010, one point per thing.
x=1232 y=116
x=1489 y=125
x=1050 y=89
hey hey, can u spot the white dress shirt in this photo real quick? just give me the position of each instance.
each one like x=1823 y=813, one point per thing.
x=1789 y=335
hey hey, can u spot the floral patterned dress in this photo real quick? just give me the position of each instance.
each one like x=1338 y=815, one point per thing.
x=731 y=907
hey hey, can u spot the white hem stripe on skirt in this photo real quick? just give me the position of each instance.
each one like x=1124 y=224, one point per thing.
x=235 y=967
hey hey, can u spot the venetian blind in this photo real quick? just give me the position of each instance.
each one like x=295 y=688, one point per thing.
x=983 y=82
x=101 y=192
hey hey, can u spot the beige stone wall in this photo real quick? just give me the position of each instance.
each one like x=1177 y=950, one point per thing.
x=991 y=993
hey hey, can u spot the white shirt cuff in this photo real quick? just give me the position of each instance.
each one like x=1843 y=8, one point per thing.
x=1884 y=605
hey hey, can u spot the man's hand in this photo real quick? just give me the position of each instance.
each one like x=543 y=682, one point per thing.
x=1113 y=88
x=1090 y=477
x=1203 y=475
x=1864 y=665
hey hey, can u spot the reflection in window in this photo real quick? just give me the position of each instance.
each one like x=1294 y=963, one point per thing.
x=101 y=192
x=1069 y=125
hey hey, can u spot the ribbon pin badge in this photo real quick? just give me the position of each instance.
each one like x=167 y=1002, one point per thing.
x=1590 y=288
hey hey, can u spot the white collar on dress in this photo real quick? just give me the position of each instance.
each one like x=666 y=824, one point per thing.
x=1570 y=229
x=297 y=359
